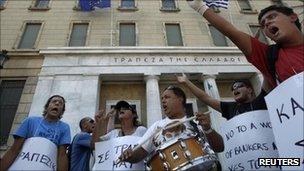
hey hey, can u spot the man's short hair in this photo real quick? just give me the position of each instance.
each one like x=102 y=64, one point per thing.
x=244 y=81
x=178 y=92
x=81 y=122
x=282 y=9
x=48 y=102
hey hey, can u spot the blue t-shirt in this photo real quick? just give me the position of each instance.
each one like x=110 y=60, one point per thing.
x=57 y=132
x=81 y=151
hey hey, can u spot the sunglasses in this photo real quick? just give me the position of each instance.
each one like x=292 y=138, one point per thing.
x=237 y=85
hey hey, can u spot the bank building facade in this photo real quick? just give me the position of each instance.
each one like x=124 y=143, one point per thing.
x=131 y=51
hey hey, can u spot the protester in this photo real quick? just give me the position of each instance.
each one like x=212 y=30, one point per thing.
x=48 y=126
x=245 y=99
x=280 y=24
x=173 y=103
x=82 y=146
x=127 y=116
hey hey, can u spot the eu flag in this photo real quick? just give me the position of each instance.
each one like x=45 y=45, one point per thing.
x=89 y=5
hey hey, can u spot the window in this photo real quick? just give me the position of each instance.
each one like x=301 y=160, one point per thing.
x=127 y=35
x=127 y=3
x=168 y=5
x=218 y=38
x=10 y=93
x=2 y=3
x=173 y=35
x=41 y=3
x=245 y=5
x=29 y=36
x=254 y=29
x=79 y=34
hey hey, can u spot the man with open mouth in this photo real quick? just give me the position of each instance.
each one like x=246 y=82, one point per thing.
x=47 y=126
x=174 y=102
x=281 y=25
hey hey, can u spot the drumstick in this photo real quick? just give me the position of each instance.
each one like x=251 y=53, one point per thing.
x=183 y=121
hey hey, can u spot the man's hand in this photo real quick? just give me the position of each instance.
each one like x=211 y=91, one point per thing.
x=204 y=120
x=182 y=79
x=198 y=5
x=101 y=117
x=126 y=155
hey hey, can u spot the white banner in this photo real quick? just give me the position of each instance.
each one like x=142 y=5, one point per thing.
x=37 y=154
x=107 y=153
x=286 y=110
x=248 y=137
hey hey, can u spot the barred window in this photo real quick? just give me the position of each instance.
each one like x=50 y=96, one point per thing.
x=127 y=34
x=218 y=38
x=78 y=36
x=173 y=35
x=29 y=36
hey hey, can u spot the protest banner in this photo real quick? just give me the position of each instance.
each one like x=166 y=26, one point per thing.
x=247 y=137
x=107 y=153
x=37 y=154
x=286 y=111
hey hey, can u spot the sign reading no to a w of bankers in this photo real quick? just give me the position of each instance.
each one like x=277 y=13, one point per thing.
x=286 y=109
x=107 y=153
x=37 y=154
x=248 y=137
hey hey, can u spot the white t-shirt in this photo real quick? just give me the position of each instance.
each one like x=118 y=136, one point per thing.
x=139 y=132
x=162 y=137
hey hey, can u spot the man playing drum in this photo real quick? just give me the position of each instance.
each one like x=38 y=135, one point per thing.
x=48 y=126
x=173 y=103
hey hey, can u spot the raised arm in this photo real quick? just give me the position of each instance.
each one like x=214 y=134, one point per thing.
x=111 y=123
x=101 y=123
x=241 y=39
x=11 y=154
x=200 y=94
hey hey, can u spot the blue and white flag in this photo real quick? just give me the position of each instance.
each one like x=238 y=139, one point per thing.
x=90 y=5
x=217 y=3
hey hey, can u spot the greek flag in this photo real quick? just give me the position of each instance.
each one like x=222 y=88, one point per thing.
x=217 y=3
x=90 y=5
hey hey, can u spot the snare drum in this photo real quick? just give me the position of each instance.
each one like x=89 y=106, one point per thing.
x=183 y=154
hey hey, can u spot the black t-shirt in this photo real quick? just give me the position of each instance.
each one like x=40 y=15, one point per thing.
x=231 y=109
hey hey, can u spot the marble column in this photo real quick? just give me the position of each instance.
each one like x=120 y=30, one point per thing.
x=215 y=116
x=257 y=82
x=154 y=112
x=212 y=90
